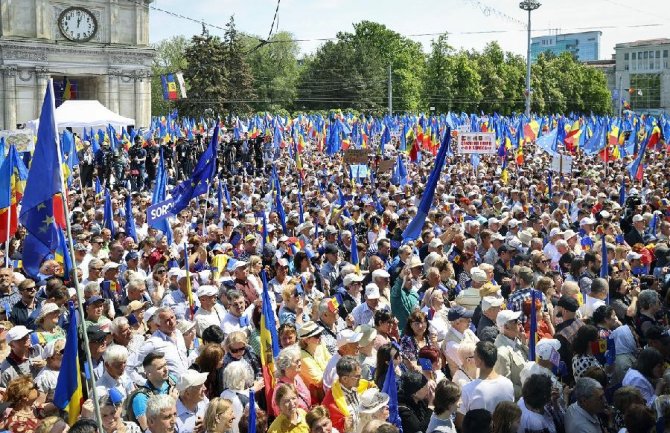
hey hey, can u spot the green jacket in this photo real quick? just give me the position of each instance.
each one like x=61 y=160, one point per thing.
x=403 y=302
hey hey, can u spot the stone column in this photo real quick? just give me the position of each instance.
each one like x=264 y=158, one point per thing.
x=114 y=91
x=103 y=90
x=10 y=97
x=137 y=80
x=41 y=81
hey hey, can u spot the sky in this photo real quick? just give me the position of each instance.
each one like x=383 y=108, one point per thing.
x=471 y=24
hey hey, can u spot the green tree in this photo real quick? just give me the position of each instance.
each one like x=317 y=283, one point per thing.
x=206 y=79
x=240 y=89
x=440 y=79
x=170 y=57
x=353 y=71
x=275 y=70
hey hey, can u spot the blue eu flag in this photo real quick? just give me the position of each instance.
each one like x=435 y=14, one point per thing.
x=44 y=181
x=202 y=175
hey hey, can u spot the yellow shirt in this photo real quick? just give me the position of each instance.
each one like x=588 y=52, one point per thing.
x=312 y=369
x=282 y=425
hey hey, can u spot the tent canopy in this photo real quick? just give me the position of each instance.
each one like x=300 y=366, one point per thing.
x=86 y=114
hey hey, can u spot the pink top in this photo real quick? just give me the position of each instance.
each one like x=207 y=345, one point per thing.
x=304 y=398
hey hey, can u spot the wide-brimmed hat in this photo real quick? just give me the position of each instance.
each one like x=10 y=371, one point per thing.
x=372 y=400
x=309 y=329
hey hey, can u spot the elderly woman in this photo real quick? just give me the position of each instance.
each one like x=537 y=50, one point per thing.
x=291 y=417
x=373 y=404
x=238 y=349
x=47 y=378
x=314 y=357
x=467 y=372
x=219 y=417
x=110 y=410
x=237 y=379
x=646 y=373
x=288 y=365
x=21 y=415
x=47 y=323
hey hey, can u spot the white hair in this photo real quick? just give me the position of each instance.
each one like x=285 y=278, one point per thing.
x=158 y=403
x=118 y=323
x=115 y=353
x=237 y=376
x=287 y=357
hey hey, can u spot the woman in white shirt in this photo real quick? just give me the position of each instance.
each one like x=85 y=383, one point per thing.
x=647 y=370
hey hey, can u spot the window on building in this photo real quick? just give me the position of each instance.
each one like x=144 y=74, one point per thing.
x=646 y=92
x=625 y=56
x=665 y=54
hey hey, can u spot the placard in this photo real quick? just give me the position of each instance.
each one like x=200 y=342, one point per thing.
x=356 y=156
x=160 y=211
x=386 y=165
x=561 y=164
x=22 y=139
x=477 y=142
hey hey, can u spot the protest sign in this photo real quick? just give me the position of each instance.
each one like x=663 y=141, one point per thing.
x=356 y=156
x=476 y=142
x=562 y=164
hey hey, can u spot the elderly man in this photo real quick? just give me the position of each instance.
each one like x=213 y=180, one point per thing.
x=210 y=311
x=364 y=313
x=177 y=300
x=114 y=375
x=342 y=400
x=161 y=414
x=166 y=340
x=596 y=298
x=460 y=331
x=192 y=401
x=330 y=322
x=18 y=361
x=512 y=349
x=583 y=415
x=347 y=345
x=487 y=326
x=9 y=294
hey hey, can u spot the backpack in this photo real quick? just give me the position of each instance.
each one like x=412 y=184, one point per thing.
x=128 y=405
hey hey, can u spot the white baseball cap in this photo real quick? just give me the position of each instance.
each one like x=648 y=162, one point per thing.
x=638 y=218
x=372 y=291
x=489 y=302
x=347 y=336
x=207 y=290
x=478 y=275
x=352 y=277
x=17 y=333
x=380 y=273
x=191 y=378
x=505 y=316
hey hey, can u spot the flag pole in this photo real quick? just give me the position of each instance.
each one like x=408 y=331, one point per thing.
x=75 y=278
x=204 y=214
x=9 y=219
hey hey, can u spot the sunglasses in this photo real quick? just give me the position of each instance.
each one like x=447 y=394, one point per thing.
x=30 y=289
x=238 y=350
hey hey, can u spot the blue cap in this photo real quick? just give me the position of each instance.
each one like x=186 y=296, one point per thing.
x=115 y=396
x=132 y=255
x=93 y=299
x=458 y=312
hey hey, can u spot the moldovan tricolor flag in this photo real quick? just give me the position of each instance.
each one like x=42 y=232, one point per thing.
x=169 y=87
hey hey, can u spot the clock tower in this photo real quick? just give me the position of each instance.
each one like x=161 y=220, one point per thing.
x=93 y=49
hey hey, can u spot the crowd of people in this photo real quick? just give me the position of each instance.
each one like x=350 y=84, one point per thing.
x=497 y=318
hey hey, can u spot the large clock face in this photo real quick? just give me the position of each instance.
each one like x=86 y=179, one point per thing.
x=77 y=24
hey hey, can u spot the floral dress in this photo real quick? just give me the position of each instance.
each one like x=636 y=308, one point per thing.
x=16 y=422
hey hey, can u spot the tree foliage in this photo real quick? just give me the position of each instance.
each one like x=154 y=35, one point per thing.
x=275 y=70
x=206 y=77
x=239 y=74
x=353 y=71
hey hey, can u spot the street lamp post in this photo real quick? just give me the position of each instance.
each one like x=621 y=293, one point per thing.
x=528 y=5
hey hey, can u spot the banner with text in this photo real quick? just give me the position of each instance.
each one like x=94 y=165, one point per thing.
x=476 y=142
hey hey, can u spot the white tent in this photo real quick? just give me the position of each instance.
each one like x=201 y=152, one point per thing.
x=86 y=114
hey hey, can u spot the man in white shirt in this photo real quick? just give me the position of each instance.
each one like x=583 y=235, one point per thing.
x=237 y=318
x=550 y=249
x=166 y=340
x=364 y=313
x=489 y=389
x=192 y=401
x=210 y=311
x=114 y=376
x=459 y=331
x=596 y=298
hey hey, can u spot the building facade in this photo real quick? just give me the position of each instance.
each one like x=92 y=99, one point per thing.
x=92 y=49
x=643 y=74
x=583 y=46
